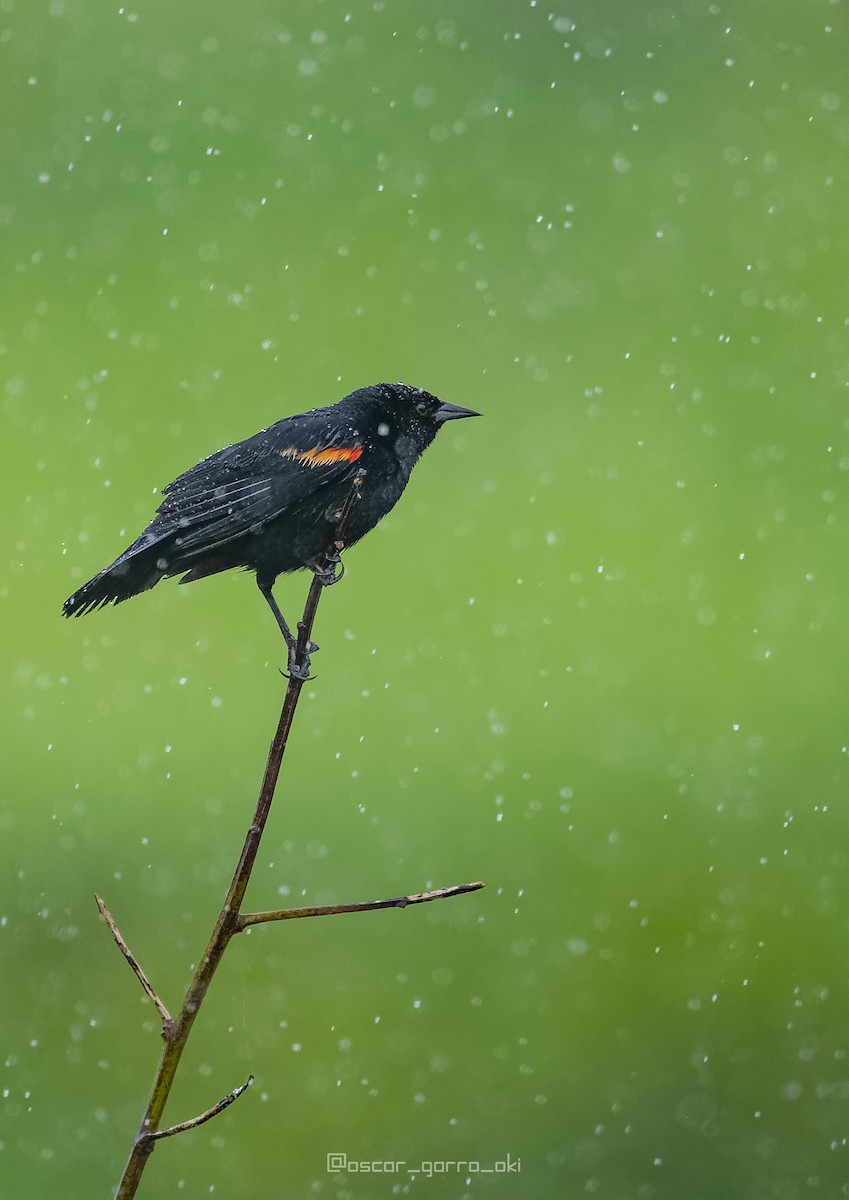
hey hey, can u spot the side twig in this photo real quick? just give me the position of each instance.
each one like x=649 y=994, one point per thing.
x=331 y=910
x=167 y=1021
x=193 y=1122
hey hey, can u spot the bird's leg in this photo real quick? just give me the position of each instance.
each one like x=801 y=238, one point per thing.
x=325 y=568
x=300 y=671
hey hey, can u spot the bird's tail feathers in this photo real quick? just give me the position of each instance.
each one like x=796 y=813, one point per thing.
x=139 y=568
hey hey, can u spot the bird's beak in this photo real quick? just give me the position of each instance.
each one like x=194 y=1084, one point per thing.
x=452 y=412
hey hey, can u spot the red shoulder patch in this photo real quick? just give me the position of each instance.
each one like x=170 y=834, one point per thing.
x=318 y=457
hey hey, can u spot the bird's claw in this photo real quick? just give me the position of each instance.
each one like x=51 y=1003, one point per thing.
x=326 y=569
x=297 y=668
x=301 y=673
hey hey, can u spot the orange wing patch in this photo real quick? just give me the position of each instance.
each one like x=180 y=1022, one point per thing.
x=317 y=457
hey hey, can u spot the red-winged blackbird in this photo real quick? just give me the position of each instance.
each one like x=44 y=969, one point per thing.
x=294 y=495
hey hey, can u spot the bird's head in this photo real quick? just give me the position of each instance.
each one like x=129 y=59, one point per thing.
x=410 y=416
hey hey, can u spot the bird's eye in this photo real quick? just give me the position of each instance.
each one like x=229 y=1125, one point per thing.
x=422 y=407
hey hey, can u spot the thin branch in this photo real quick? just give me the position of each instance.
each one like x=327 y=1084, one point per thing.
x=332 y=910
x=167 y=1022
x=225 y=926
x=193 y=1122
x=230 y=922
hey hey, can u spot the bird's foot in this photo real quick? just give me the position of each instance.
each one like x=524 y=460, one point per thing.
x=329 y=569
x=299 y=668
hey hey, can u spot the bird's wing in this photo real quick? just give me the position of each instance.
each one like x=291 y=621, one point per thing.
x=241 y=488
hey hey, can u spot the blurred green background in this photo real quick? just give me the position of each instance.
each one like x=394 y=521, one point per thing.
x=596 y=657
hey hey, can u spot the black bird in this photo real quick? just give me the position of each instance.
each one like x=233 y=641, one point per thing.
x=293 y=496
